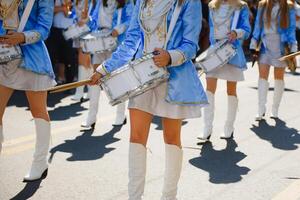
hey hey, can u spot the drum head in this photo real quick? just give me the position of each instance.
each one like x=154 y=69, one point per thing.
x=210 y=50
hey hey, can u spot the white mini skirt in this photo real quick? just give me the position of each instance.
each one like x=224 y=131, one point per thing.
x=153 y=102
x=228 y=72
x=14 y=77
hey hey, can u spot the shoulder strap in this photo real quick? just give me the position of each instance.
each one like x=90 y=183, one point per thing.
x=235 y=19
x=25 y=15
x=119 y=16
x=173 y=22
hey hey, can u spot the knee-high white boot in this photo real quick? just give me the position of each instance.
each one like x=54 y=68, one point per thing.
x=208 y=118
x=278 y=92
x=231 y=116
x=83 y=73
x=137 y=171
x=39 y=167
x=1 y=138
x=263 y=88
x=173 y=165
x=93 y=107
x=120 y=115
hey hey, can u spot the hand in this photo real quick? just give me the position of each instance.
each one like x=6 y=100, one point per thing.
x=12 y=38
x=95 y=78
x=162 y=59
x=254 y=54
x=114 y=33
x=232 y=36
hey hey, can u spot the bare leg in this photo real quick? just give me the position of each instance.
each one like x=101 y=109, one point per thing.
x=38 y=106
x=140 y=125
x=5 y=94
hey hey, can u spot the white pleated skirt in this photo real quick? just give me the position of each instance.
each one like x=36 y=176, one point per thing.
x=14 y=77
x=153 y=102
x=273 y=52
x=228 y=72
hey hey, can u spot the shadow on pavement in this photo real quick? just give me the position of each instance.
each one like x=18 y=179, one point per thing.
x=157 y=121
x=66 y=112
x=272 y=89
x=19 y=99
x=86 y=146
x=222 y=165
x=28 y=191
x=280 y=136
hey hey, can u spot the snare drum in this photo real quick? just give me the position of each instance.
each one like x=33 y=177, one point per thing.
x=9 y=53
x=133 y=79
x=98 y=42
x=216 y=56
x=74 y=31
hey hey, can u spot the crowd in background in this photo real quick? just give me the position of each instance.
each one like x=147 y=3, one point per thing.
x=65 y=58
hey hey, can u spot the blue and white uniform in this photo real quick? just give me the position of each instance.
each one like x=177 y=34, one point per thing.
x=220 y=21
x=111 y=18
x=178 y=98
x=35 y=66
x=274 y=37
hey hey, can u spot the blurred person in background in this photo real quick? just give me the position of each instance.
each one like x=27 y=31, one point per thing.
x=274 y=32
x=106 y=16
x=62 y=53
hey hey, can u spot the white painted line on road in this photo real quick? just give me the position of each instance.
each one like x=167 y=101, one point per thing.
x=292 y=192
x=21 y=144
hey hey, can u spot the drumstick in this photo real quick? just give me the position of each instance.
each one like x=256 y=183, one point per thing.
x=290 y=56
x=69 y=86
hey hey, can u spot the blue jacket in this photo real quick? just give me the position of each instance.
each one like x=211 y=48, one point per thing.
x=35 y=54
x=243 y=25
x=287 y=35
x=126 y=13
x=184 y=86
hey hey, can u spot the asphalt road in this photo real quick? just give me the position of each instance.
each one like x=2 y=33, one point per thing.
x=261 y=163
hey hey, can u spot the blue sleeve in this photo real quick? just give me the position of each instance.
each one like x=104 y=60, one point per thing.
x=93 y=22
x=40 y=31
x=211 y=27
x=244 y=22
x=257 y=27
x=129 y=46
x=191 y=26
x=291 y=32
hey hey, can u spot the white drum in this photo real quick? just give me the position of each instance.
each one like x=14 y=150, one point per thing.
x=216 y=56
x=74 y=31
x=133 y=79
x=9 y=53
x=98 y=42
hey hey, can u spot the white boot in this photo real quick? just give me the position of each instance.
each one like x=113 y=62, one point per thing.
x=120 y=115
x=83 y=73
x=1 y=138
x=278 y=92
x=93 y=108
x=231 y=116
x=208 y=118
x=137 y=171
x=263 y=88
x=173 y=165
x=39 y=167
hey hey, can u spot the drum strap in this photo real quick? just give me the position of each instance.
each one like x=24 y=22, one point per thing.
x=173 y=23
x=25 y=15
x=119 y=16
x=235 y=19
